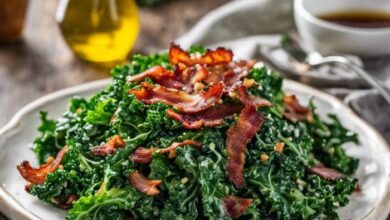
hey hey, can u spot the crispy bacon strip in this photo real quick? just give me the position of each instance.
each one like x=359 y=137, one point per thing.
x=145 y=155
x=110 y=147
x=143 y=184
x=159 y=75
x=248 y=99
x=156 y=73
x=325 y=172
x=172 y=149
x=211 y=57
x=207 y=118
x=238 y=136
x=294 y=111
x=38 y=175
x=235 y=206
x=231 y=74
x=182 y=101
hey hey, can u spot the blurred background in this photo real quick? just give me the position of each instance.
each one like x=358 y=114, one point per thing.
x=41 y=61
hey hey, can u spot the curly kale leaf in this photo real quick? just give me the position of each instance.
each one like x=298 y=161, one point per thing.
x=58 y=185
x=183 y=190
x=46 y=145
x=196 y=49
x=102 y=113
x=105 y=205
x=321 y=196
x=212 y=175
x=269 y=85
x=286 y=197
x=328 y=140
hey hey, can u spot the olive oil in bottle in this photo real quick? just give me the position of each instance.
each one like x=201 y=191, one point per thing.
x=99 y=30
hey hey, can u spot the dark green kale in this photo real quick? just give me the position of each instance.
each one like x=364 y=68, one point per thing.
x=194 y=183
x=46 y=145
x=196 y=49
x=328 y=140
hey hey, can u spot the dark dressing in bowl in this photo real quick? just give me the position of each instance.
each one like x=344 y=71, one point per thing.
x=359 y=18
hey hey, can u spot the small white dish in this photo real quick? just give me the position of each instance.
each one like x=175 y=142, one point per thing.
x=16 y=137
x=330 y=38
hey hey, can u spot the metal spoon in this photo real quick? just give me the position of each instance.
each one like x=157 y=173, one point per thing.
x=315 y=59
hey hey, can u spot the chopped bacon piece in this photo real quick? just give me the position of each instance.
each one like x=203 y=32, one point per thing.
x=183 y=79
x=358 y=189
x=28 y=187
x=110 y=147
x=235 y=206
x=248 y=99
x=325 y=172
x=38 y=175
x=181 y=100
x=144 y=155
x=279 y=147
x=190 y=76
x=143 y=184
x=207 y=118
x=230 y=74
x=238 y=136
x=294 y=111
x=67 y=204
x=211 y=57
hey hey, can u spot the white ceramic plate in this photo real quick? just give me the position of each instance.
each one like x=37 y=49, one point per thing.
x=16 y=138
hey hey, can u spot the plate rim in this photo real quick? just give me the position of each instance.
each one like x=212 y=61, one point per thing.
x=12 y=208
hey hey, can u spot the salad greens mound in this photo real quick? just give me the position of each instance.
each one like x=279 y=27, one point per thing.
x=294 y=168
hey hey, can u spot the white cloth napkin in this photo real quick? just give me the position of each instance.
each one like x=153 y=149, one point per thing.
x=243 y=25
x=241 y=18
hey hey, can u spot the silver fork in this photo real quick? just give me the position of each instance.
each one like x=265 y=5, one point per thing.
x=315 y=59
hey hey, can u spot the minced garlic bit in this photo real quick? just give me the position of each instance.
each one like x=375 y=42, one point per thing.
x=233 y=95
x=61 y=167
x=220 y=101
x=49 y=159
x=301 y=182
x=198 y=86
x=248 y=83
x=184 y=180
x=54 y=201
x=264 y=157
x=279 y=147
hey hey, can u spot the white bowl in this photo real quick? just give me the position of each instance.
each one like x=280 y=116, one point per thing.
x=330 y=38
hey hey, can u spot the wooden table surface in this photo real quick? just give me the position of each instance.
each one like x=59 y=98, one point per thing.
x=42 y=63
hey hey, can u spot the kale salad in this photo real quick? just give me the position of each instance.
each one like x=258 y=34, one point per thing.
x=192 y=135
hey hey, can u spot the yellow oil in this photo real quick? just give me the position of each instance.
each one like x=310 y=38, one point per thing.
x=99 y=30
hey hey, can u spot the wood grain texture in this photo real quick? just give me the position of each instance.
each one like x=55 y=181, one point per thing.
x=42 y=63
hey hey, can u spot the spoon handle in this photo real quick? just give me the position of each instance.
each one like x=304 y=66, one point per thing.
x=371 y=80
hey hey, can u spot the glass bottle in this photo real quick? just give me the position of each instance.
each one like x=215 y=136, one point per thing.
x=99 y=30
